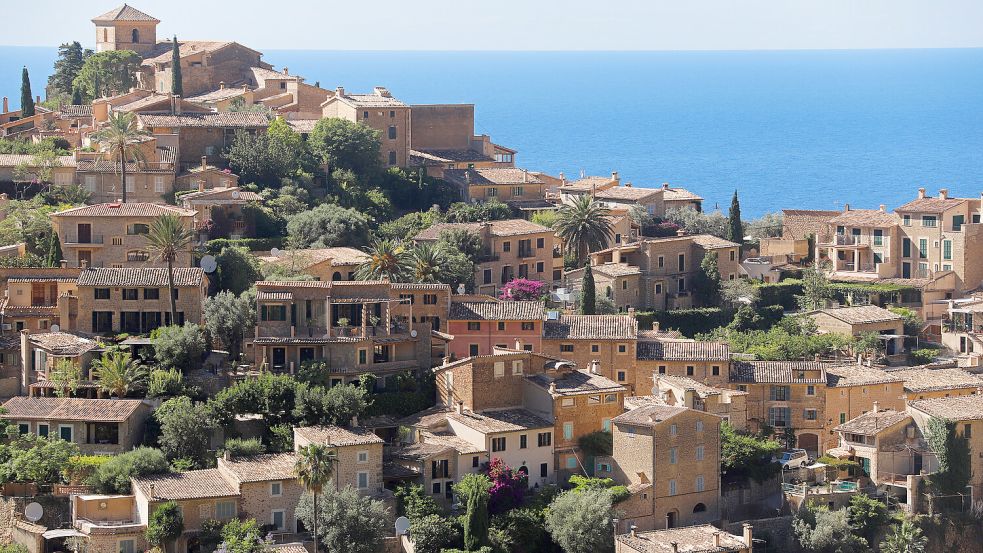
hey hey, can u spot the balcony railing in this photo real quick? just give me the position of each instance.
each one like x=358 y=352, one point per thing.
x=93 y=239
x=851 y=240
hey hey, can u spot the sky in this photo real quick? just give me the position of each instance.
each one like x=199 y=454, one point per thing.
x=531 y=24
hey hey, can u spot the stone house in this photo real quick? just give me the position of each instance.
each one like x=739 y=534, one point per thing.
x=268 y=488
x=98 y=426
x=669 y=457
x=220 y=213
x=205 y=177
x=126 y=28
x=202 y=134
x=380 y=111
x=729 y=405
x=967 y=413
x=30 y=297
x=511 y=248
x=479 y=327
x=852 y=390
x=24 y=167
x=224 y=97
x=11 y=370
x=204 y=64
x=706 y=362
x=358 y=450
x=662 y=270
x=327 y=264
x=113 y=235
x=504 y=184
x=862 y=319
x=349 y=328
x=928 y=383
x=443 y=138
x=698 y=538
x=41 y=352
x=285 y=93
x=609 y=340
x=135 y=301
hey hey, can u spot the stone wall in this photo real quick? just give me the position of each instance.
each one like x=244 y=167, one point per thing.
x=775 y=532
x=742 y=500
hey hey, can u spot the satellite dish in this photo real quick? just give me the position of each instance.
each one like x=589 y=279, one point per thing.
x=33 y=512
x=413 y=333
x=402 y=525
x=208 y=264
x=460 y=289
x=235 y=194
x=55 y=328
x=276 y=252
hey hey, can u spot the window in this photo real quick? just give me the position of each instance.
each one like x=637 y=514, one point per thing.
x=929 y=221
x=474 y=326
x=273 y=312
x=624 y=284
x=224 y=510
x=101 y=293
x=392 y=132
x=529 y=326
x=540 y=242
x=137 y=255
x=662 y=369
x=715 y=370
x=947 y=249
x=673 y=452
x=699 y=483
x=672 y=487
x=631 y=431
x=566 y=348
x=23 y=427
x=810 y=390
x=593 y=400
x=732 y=254
x=363 y=356
x=566 y=402
x=499 y=369
x=506 y=246
x=137 y=228
x=681 y=262
x=498 y=444
x=673 y=430
x=363 y=456
x=681 y=285
x=923 y=248
x=606 y=425
x=365 y=115
x=436 y=488
x=517 y=367
x=473 y=350
x=543 y=470
x=540 y=267
x=522 y=441
x=544 y=439
x=159 y=185
x=102 y=321
x=130 y=294
x=429 y=299
x=699 y=452
x=43 y=430
x=276 y=489
x=517 y=191
x=363 y=480
x=594 y=348
x=622 y=348
x=491 y=192
x=690 y=370
x=662 y=261
x=906 y=220
x=568 y=431
x=151 y=293
x=501 y=326
x=127 y=546
x=809 y=414
x=781 y=393
x=778 y=417
x=621 y=376
x=474 y=462
x=699 y=426
x=392 y=157
x=571 y=462
x=278 y=519
x=967 y=431
x=130 y=183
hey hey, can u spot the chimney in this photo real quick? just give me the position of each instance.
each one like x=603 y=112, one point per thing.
x=37 y=99
x=354 y=422
x=846 y=207
x=614 y=176
x=716 y=539
x=631 y=311
x=944 y=194
x=921 y=193
x=632 y=530
x=286 y=71
x=748 y=539
x=594 y=364
x=6 y=105
x=552 y=387
x=883 y=208
x=201 y=185
x=151 y=493
x=674 y=547
x=63 y=263
x=84 y=263
x=226 y=455
x=221 y=85
x=563 y=178
x=627 y=185
x=665 y=186
x=525 y=176
x=204 y=162
x=655 y=326
x=877 y=406
x=459 y=407
x=681 y=232
x=339 y=92
x=518 y=344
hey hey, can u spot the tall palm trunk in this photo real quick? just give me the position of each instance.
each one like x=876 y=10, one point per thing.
x=122 y=171
x=314 y=494
x=170 y=289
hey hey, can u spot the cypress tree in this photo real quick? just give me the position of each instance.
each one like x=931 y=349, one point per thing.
x=54 y=251
x=177 y=87
x=26 y=98
x=76 y=97
x=736 y=233
x=588 y=295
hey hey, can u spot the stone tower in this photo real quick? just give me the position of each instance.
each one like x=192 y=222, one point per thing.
x=126 y=28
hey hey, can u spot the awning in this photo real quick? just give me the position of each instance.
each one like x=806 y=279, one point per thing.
x=891 y=336
x=62 y=533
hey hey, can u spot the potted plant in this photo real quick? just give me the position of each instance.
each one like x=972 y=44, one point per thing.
x=374 y=321
x=343 y=323
x=310 y=329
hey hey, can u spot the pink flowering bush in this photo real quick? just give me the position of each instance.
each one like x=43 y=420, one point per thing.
x=524 y=289
x=508 y=486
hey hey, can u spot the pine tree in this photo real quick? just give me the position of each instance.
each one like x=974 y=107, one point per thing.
x=588 y=294
x=736 y=233
x=26 y=98
x=177 y=87
x=71 y=58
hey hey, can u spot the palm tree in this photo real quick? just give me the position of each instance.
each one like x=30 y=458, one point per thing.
x=117 y=373
x=165 y=240
x=583 y=226
x=121 y=138
x=427 y=261
x=906 y=538
x=314 y=468
x=387 y=260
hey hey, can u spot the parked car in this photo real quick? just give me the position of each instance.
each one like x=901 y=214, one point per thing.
x=794 y=458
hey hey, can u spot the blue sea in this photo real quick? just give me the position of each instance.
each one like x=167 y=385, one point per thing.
x=805 y=129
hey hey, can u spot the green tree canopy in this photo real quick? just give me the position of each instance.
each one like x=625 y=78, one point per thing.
x=177 y=82
x=165 y=525
x=113 y=476
x=328 y=225
x=347 y=522
x=474 y=492
x=179 y=347
x=905 y=538
x=747 y=455
x=819 y=530
x=71 y=58
x=265 y=158
x=229 y=317
x=185 y=429
x=735 y=226
x=339 y=143
x=237 y=269
x=580 y=522
x=583 y=226
x=108 y=73
x=588 y=293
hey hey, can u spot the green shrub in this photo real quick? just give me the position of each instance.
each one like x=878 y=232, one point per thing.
x=923 y=356
x=244 y=447
x=214 y=247
x=82 y=467
x=781 y=293
x=113 y=476
x=689 y=322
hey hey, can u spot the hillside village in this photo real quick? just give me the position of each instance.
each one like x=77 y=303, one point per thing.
x=243 y=312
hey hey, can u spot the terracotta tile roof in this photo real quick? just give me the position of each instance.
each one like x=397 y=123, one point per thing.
x=909 y=282
x=75 y=110
x=30 y=310
x=13 y=160
x=371 y=101
x=683 y=351
x=777 y=372
x=440 y=156
x=855 y=375
x=678 y=195
x=194 y=484
x=711 y=242
x=505 y=227
x=217 y=94
x=163 y=51
x=616 y=269
x=59 y=277
x=63 y=344
x=691 y=539
x=302 y=125
x=145 y=102
x=701 y=389
x=931 y=205
x=866 y=218
x=420 y=286
x=629 y=193
x=633 y=402
x=224 y=119
x=288 y=548
x=274 y=296
x=491 y=176
x=124 y=13
x=871 y=423
x=421 y=451
x=497 y=311
x=862 y=314
x=587 y=183
x=337 y=436
x=591 y=327
x=649 y=414
x=262 y=468
x=934 y=380
x=431 y=417
x=579 y=382
x=106 y=166
x=71 y=409
x=129 y=209
x=952 y=408
x=310 y=257
x=504 y=420
x=462 y=446
x=232 y=194
x=811 y=212
x=140 y=277
x=656 y=335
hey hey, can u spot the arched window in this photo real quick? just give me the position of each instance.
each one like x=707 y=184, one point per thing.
x=700 y=508
x=336 y=276
x=135 y=36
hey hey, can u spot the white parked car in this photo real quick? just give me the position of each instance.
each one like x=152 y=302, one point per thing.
x=794 y=458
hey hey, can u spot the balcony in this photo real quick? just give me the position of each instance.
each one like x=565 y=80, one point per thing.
x=73 y=240
x=108 y=527
x=853 y=241
x=525 y=253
